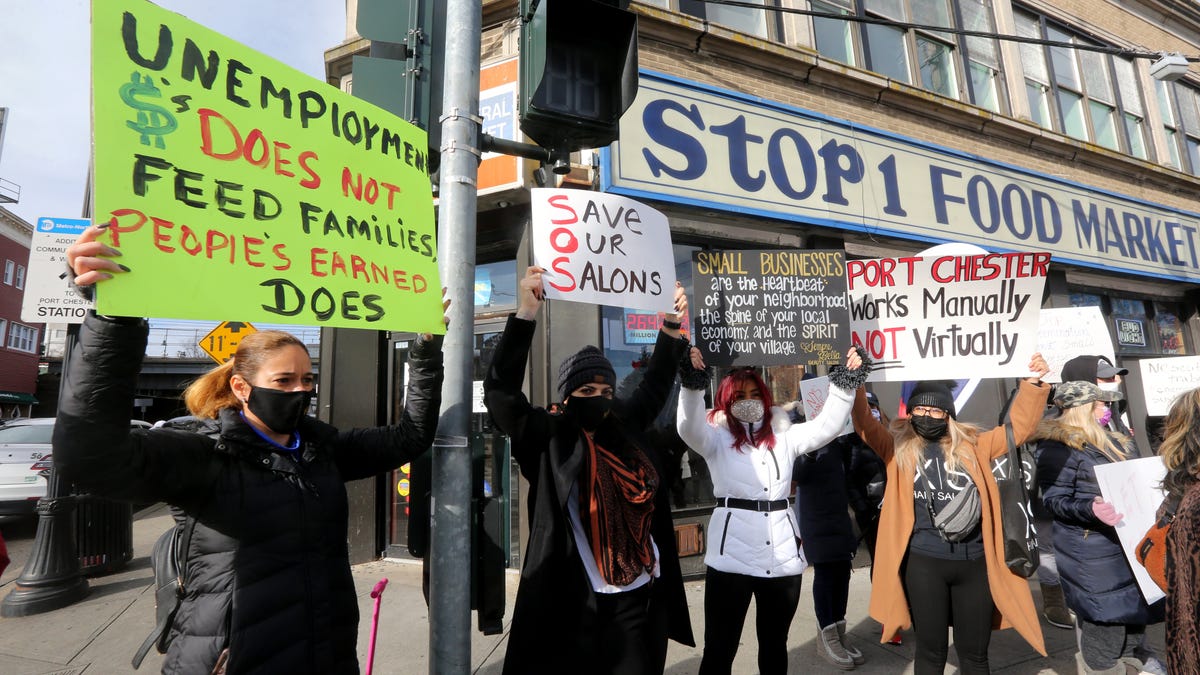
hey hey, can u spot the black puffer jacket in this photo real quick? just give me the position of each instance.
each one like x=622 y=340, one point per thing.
x=269 y=565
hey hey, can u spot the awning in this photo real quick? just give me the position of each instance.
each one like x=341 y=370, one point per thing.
x=17 y=397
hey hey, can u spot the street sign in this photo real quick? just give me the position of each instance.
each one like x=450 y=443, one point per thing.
x=221 y=343
x=48 y=296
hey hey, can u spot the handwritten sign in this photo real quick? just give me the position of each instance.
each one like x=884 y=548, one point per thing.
x=48 y=296
x=1163 y=380
x=239 y=188
x=603 y=249
x=1133 y=486
x=770 y=307
x=1067 y=332
x=813 y=394
x=944 y=316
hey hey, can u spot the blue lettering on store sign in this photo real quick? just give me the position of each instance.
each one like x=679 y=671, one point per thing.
x=809 y=167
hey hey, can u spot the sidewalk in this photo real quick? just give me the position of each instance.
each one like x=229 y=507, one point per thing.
x=99 y=634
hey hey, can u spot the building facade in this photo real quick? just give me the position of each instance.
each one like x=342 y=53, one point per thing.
x=1011 y=126
x=20 y=342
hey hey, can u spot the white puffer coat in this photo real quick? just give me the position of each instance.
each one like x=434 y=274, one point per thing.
x=741 y=541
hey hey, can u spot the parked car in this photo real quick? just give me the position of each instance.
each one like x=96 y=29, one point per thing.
x=25 y=462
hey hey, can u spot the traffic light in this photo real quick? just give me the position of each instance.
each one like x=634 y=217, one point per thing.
x=403 y=73
x=579 y=71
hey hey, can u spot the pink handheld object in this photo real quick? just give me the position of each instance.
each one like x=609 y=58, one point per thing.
x=376 y=593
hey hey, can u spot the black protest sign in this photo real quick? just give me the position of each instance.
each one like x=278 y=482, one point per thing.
x=770 y=307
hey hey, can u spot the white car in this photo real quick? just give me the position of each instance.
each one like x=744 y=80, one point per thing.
x=25 y=462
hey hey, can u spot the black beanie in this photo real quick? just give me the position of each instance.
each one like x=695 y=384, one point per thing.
x=933 y=393
x=585 y=366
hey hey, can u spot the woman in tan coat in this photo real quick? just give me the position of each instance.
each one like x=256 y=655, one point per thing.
x=911 y=556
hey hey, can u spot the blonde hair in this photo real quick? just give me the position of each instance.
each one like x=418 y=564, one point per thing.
x=956 y=444
x=211 y=392
x=1180 y=449
x=1084 y=420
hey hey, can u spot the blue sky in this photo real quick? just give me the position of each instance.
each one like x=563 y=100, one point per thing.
x=44 y=80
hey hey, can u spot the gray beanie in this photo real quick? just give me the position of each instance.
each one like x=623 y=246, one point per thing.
x=588 y=365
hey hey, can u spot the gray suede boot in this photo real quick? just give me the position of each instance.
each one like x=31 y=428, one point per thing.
x=829 y=646
x=853 y=651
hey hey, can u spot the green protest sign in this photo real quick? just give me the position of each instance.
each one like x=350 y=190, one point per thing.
x=239 y=188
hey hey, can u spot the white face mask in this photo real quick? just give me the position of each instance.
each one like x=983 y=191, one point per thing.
x=747 y=410
x=1109 y=386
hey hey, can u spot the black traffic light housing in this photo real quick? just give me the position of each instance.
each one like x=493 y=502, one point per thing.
x=579 y=71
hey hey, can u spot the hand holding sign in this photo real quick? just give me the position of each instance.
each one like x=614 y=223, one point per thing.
x=1039 y=368
x=90 y=258
x=681 y=307
x=532 y=293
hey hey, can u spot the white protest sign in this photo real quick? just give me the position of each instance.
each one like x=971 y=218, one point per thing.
x=813 y=394
x=946 y=316
x=48 y=296
x=1165 y=379
x=1067 y=332
x=603 y=249
x=1133 y=488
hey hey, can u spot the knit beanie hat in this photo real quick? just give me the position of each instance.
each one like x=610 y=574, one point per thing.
x=588 y=365
x=933 y=393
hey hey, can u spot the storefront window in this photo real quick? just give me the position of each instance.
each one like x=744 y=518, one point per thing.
x=496 y=286
x=1170 y=329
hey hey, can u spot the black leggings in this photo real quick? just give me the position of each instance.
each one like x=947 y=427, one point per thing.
x=943 y=593
x=726 y=599
x=831 y=591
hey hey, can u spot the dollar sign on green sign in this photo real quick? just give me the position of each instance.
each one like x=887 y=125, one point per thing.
x=152 y=119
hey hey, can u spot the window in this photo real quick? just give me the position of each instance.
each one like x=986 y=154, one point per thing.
x=761 y=23
x=3 y=329
x=1087 y=95
x=1181 y=106
x=495 y=286
x=1170 y=126
x=20 y=281
x=22 y=338
x=954 y=66
x=9 y=268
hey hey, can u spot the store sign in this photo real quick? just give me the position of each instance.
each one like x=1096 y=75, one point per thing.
x=720 y=150
x=641 y=328
x=1130 y=332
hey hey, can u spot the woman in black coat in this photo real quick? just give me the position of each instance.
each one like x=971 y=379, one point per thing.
x=601 y=589
x=268 y=578
x=1097 y=580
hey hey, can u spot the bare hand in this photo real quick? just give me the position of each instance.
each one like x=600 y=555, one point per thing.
x=445 y=313
x=531 y=292
x=89 y=259
x=681 y=304
x=853 y=360
x=1039 y=368
x=697 y=358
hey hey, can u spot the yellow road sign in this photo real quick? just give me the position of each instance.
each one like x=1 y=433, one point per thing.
x=221 y=343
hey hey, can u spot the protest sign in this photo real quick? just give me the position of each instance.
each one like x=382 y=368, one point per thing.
x=48 y=296
x=772 y=307
x=1133 y=487
x=1067 y=332
x=940 y=317
x=238 y=188
x=813 y=393
x=1163 y=380
x=603 y=249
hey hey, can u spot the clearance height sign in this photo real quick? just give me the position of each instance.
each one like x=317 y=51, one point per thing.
x=239 y=188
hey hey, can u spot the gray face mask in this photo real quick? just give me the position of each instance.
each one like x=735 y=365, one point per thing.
x=747 y=410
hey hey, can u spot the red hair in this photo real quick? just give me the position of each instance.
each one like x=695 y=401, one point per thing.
x=724 y=398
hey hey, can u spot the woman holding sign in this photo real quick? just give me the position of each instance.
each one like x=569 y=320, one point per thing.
x=601 y=590
x=1180 y=451
x=753 y=542
x=1097 y=581
x=267 y=574
x=925 y=575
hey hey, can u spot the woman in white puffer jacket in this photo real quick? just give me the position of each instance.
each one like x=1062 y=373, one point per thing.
x=753 y=541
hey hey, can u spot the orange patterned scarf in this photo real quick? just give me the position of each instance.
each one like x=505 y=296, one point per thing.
x=616 y=500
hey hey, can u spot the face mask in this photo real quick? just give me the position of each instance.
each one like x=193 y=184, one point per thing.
x=1105 y=417
x=875 y=413
x=589 y=411
x=747 y=410
x=279 y=410
x=929 y=428
x=1108 y=386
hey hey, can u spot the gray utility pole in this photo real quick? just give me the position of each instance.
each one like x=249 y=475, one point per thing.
x=450 y=533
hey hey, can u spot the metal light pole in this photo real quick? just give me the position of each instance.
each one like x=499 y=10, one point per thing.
x=450 y=534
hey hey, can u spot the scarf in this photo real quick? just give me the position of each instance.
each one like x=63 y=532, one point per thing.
x=616 y=502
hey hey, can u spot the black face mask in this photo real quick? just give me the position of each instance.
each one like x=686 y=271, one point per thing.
x=279 y=410
x=589 y=411
x=929 y=428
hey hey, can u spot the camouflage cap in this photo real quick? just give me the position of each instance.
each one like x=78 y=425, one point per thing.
x=1077 y=393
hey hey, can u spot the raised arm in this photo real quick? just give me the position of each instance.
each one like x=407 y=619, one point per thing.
x=843 y=381
x=691 y=417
